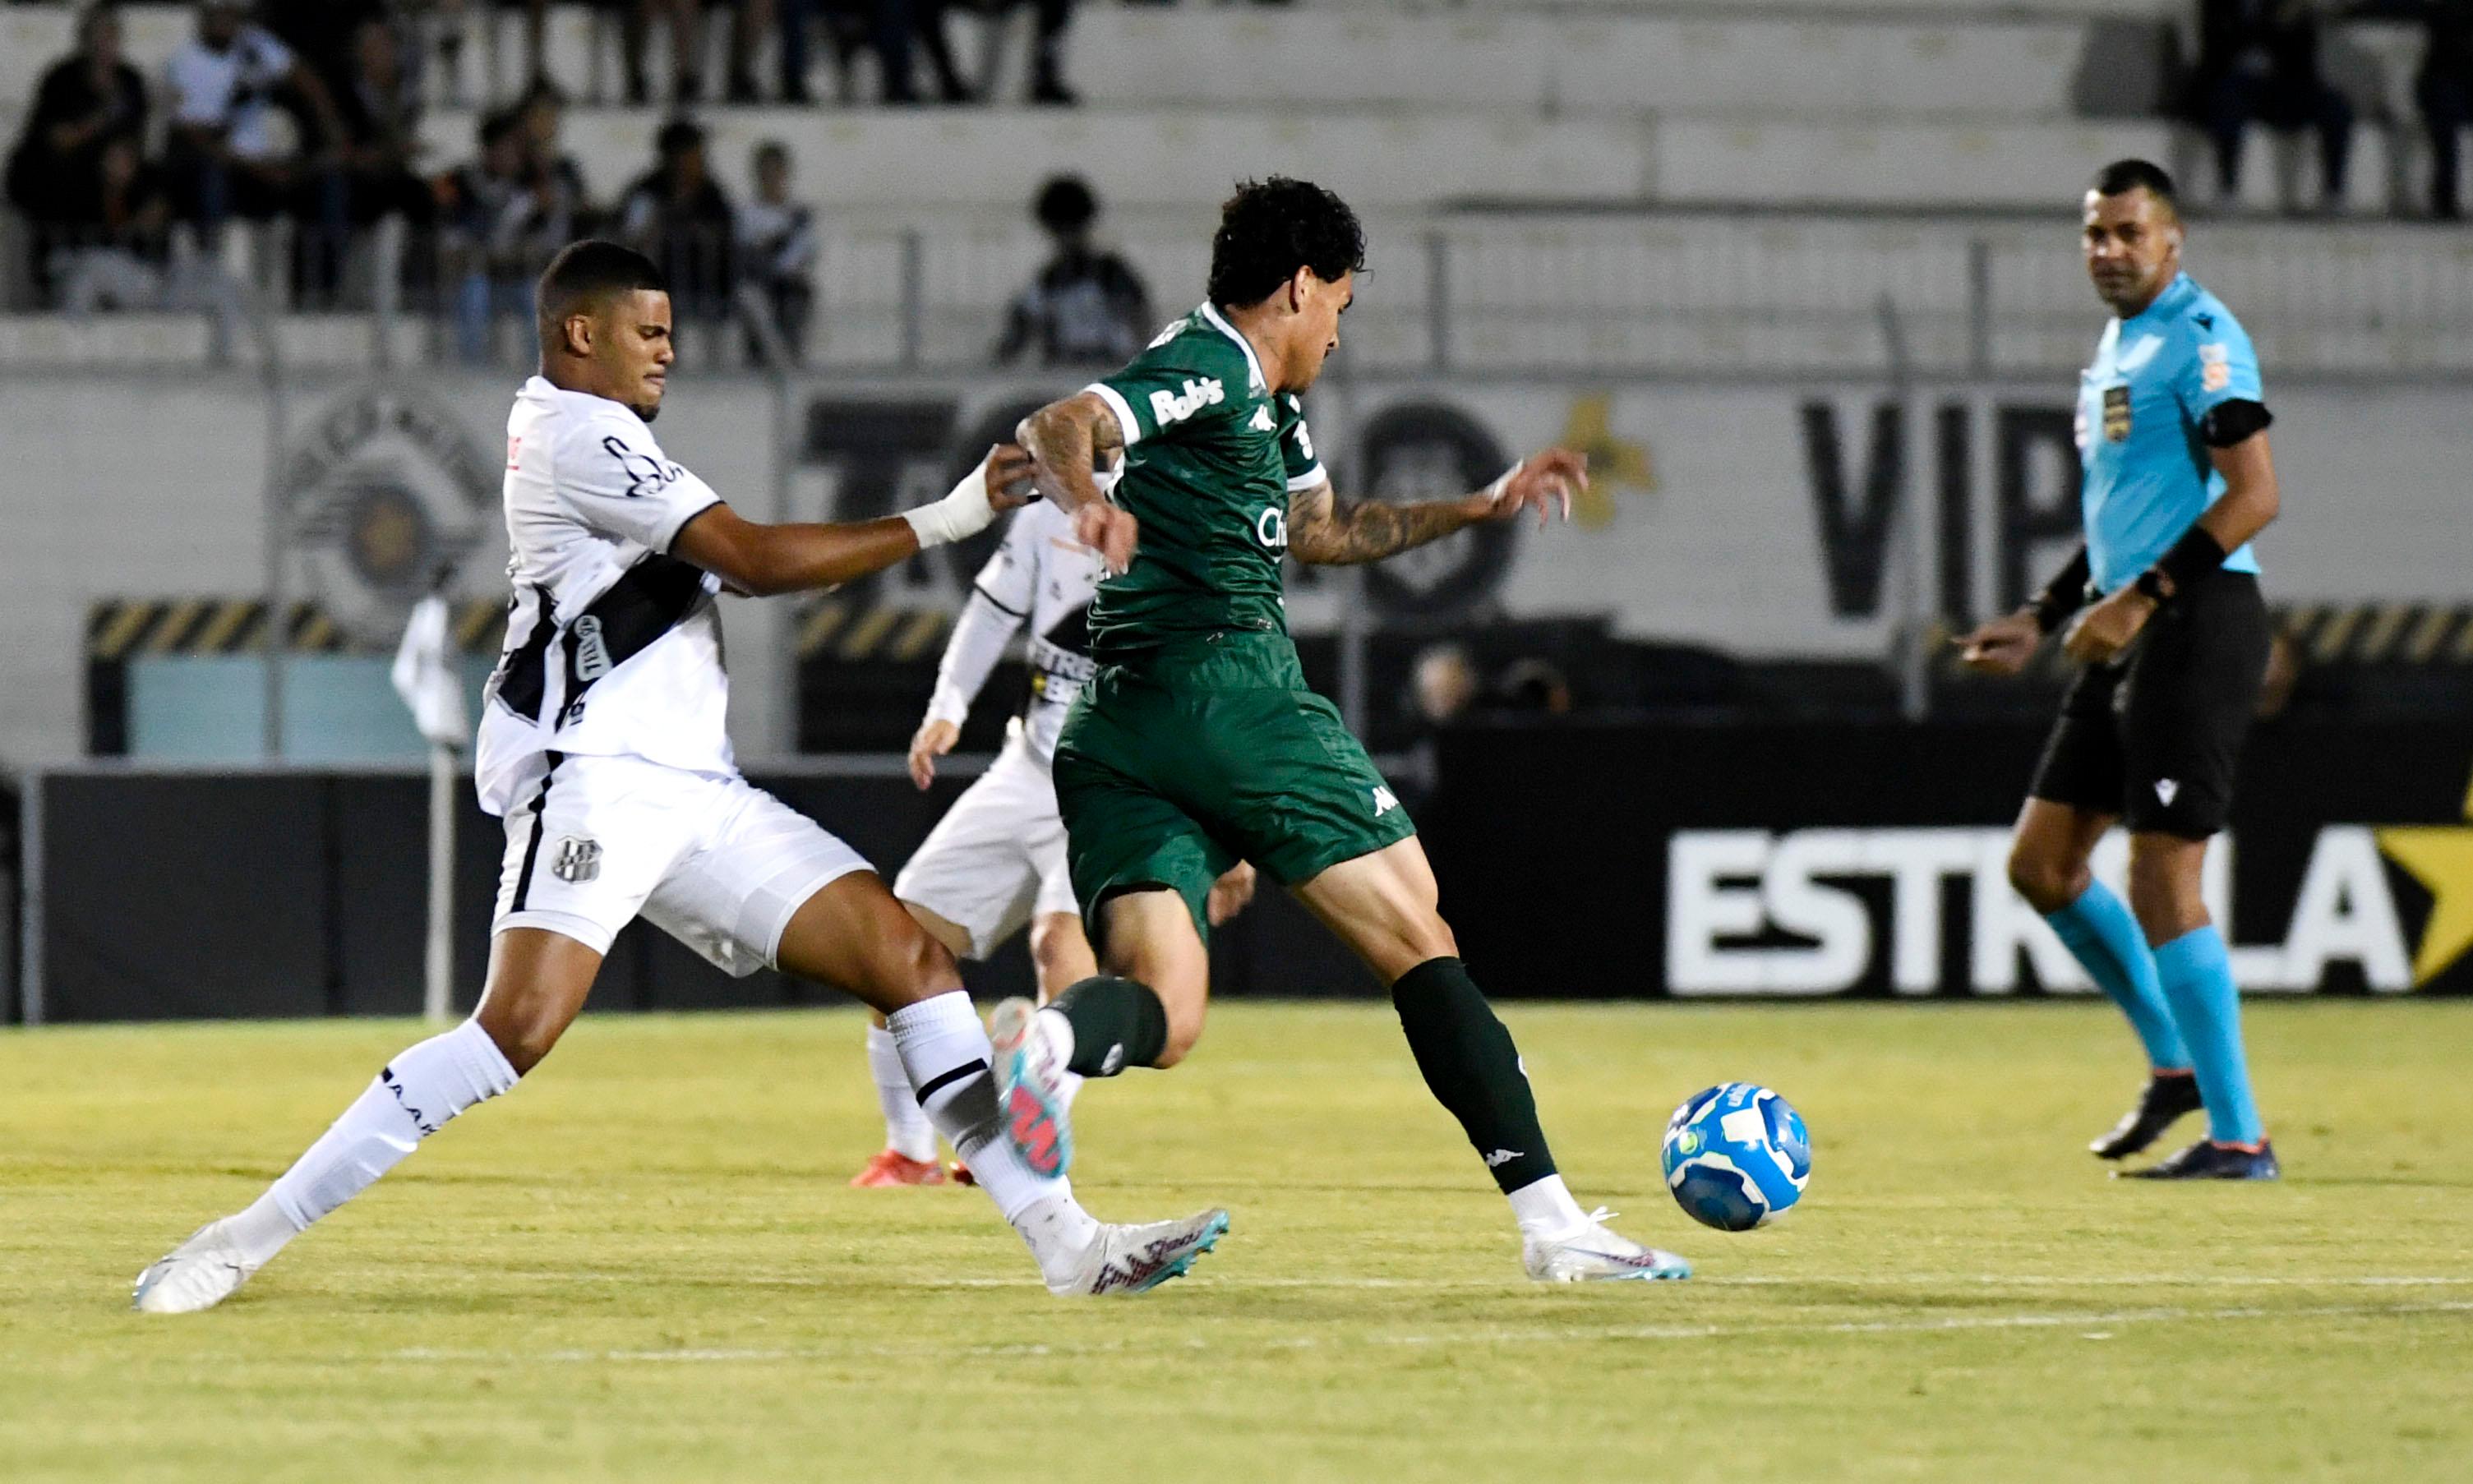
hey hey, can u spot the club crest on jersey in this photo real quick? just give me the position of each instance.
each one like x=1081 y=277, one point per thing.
x=1168 y=407
x=578 y=859
x=2215 y=367
x=591 y=650
x=2116 y=415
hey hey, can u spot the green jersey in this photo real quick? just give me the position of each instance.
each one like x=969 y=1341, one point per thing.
x=1210 y=456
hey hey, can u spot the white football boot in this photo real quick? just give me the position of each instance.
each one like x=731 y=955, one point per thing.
x=199 y=1273
x=1129 y=1259
x=1595 y=1254
x=1033 y=1102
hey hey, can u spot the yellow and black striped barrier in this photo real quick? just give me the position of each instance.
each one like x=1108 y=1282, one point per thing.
x=838 y=629
x=119 y=629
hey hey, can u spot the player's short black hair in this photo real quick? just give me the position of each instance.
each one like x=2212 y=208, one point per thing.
x=1066 y=204
x=2136 y=175
x=1270 y=228
x=584 y=275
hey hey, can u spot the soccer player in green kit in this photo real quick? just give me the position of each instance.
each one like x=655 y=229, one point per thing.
x=1197 y=743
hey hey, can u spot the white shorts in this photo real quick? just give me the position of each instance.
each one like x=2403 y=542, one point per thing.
x=715 y=862
x=997 y=857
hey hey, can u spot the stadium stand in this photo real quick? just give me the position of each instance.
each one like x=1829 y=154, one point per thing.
x=1870 y=142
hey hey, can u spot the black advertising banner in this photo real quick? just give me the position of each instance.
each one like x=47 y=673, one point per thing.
x=1576 y=861
x=1837 y=858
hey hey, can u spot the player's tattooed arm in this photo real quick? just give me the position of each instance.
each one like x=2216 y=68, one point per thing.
x=1067 y=439
x=1328 y=531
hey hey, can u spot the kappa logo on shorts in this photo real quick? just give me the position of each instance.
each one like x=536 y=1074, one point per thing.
x=2167 y=790
x=1383 y=801
x=578 y=859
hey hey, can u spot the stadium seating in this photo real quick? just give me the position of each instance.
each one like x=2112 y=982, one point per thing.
x=1877 y=152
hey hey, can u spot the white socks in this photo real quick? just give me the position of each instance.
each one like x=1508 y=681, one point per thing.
x=1545 y=1209
x=411 y=1099
x=906 y=1130
x=946 y=1050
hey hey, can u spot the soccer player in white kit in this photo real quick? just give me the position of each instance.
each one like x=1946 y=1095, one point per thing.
x=995 y=864
x=603 y=747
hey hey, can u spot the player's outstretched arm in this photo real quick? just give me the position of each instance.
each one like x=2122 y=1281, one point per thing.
x=762 y=560
x=1326 y=530
x=1065 y=439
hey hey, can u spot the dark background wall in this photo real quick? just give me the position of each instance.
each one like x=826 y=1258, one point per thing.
x=192 y=895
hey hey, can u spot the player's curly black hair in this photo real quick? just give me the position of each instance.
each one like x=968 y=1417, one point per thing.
x=1270 y=228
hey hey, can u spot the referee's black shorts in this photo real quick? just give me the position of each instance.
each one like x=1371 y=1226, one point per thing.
x=2156 y=736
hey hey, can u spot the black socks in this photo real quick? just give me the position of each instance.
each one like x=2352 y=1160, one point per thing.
x=1116 y=1023
x=1471 y=1069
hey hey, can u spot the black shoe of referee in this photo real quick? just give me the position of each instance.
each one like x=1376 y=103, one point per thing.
x=2164 y=1102
x=2207 y=1159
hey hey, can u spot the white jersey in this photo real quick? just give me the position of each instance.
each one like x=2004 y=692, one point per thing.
x=1043 y=577
x=614 y=646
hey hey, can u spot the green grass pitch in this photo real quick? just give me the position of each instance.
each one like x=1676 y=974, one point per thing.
x=644 y=1265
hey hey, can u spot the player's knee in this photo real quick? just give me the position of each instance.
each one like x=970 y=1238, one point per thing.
x=2048 y=882
x=917 y=969
x=1184 y=1030
x=523 y=1039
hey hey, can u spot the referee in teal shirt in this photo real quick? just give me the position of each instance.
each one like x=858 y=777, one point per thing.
x=2172 y=636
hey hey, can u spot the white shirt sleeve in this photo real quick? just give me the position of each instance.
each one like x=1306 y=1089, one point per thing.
x=196 y=99
x=999 y=602
x=612 y=477
x=270 y=58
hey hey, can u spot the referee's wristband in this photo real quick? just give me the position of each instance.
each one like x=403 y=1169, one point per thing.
x=2192 y=557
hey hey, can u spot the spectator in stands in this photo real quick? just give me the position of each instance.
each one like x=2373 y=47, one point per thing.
x=1445 y=683
x=224 y=157
x=1051 y=17
x=1536 y=686
x=85 y=102
x=677 y=215
x=380 y=107
x=324 y=34
x=2258 y=62
x=748 y=21
x=1087 y=306
x=119 y=258
x=507 y=216
x=776 y=245
x=544 y=114
x=2444 y=90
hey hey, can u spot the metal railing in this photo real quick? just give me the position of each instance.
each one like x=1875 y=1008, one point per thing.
x=1700 y=295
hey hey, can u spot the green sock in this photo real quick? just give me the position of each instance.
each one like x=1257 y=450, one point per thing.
x=1474 y=1069
x=1116 y=1023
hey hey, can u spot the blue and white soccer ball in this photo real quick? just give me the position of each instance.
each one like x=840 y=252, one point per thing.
x=1737 y=1155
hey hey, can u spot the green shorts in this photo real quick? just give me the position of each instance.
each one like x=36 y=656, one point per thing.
x=1212 y=751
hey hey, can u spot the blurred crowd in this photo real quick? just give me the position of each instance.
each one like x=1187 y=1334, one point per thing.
x=2266 y=63
x=308 y=112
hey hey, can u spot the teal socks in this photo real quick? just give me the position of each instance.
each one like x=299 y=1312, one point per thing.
x=2195 y=973
x=2102 y=934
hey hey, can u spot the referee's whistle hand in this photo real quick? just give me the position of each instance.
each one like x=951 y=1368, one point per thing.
x=2102 y=632
x=2001 y=647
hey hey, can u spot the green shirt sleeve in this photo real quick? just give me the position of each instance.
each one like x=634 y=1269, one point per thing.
x=1297 y=457
x=1181 y=386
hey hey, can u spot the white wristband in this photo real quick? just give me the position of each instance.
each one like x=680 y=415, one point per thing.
x=957 y=516
x=1494 y=491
